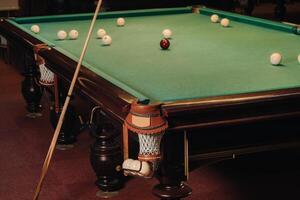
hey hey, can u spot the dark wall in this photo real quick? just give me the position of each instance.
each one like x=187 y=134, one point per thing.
x=49 y=7
x=69 y=6
x=137 y=4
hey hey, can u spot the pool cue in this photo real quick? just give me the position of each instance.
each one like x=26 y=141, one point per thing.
x=125 y=143
x=291 y=24
x=67 y=101
x=186 y=155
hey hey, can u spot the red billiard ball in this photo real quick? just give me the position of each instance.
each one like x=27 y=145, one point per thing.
x=164 y=44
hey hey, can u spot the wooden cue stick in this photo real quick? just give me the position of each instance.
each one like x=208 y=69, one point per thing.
x=292 y=24
x=61 y=118
x=186 y=155
x=125 y=143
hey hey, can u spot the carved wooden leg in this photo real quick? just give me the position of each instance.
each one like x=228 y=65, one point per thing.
x=171 y=170
x=106 y=159
x=71 y=125
x=32 y=91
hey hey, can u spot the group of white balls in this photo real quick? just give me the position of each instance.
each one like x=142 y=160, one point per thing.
x=215 y=19
x=106 y=39
x=62 y=35
x=73 y=34
x=102 y=34
x=275 y=58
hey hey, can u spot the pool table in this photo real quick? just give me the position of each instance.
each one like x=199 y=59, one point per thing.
x=213 y=82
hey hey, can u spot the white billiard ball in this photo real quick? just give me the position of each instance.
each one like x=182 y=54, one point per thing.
x=120 y=21
x=106 y=40
x=35 y=28
x=61 y=35
x=135 y=166
x=225 y=22
x=275 y=58
x=167 y=33
x=214 y=18
x=73 y=34
x=127 y=164
x=100 y=33
x=299 y=58
x=145 y=169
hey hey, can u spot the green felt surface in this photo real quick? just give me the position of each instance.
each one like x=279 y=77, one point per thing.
x=204 y=58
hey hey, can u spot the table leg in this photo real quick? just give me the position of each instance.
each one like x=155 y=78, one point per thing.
x=280 y=9
x=106 y=157
x=70 y=128
x=31 y=90
x=71 y=125
x=171 y=170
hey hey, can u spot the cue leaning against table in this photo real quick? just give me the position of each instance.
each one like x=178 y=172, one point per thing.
x=65 y=106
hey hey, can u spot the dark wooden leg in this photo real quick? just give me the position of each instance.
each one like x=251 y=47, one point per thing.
x=71 y=126
x=106 y=157
x=31 y=90
x=280 y=9
x=171 y=170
